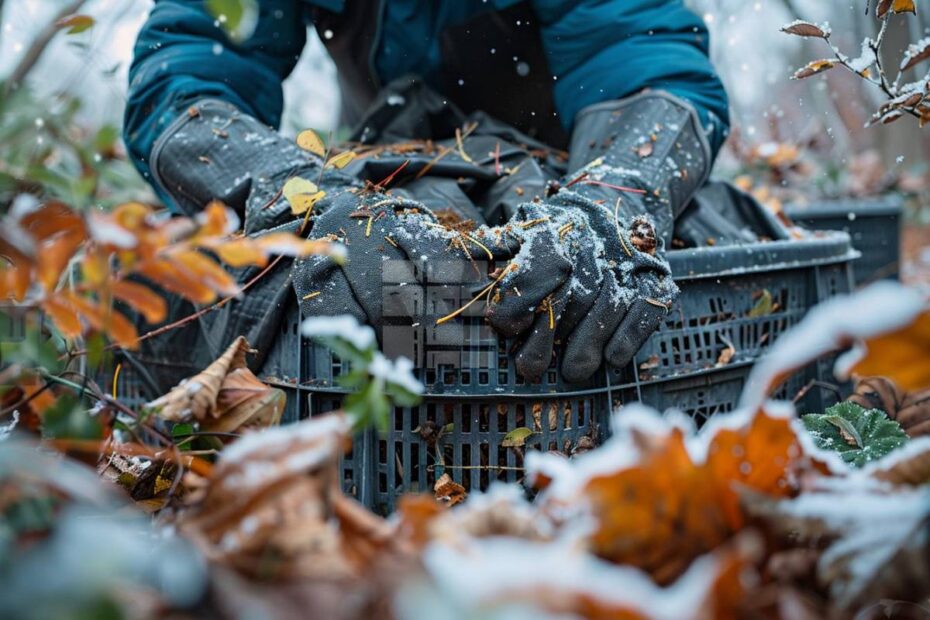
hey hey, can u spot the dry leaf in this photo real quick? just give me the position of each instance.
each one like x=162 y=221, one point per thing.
x=196 y=398
x=666 y=510
x=142 y=299
x=448 y=491
x=341 y=160
x=245 y=402
x=806 y=29
x=308 y=140
x=813 y=68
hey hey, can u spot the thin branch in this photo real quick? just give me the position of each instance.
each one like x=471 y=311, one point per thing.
x=39 y=45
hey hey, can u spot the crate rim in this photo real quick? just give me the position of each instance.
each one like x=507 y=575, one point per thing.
x=888 y=204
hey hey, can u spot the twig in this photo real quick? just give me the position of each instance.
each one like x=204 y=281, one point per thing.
x=39 y=45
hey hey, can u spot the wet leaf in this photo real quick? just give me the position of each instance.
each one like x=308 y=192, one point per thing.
x=308 y=140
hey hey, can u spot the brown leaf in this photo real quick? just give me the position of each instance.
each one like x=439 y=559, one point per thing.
x=175 y=280
x=813 y=68
x=805 y=29
x=104 y=319
x=63 y=315
x=268 y=508
x=142 y=299
x=916 y=52
x=196 y=398
x=448 y=491
x=644 y=150
x=245 y=402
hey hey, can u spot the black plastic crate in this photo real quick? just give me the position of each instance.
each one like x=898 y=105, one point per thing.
x=740 y=295
x=873 y=224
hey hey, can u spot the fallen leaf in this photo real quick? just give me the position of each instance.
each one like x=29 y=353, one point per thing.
x=763 y=307
x=245 y=402
x=341 y=160
x=76 y=23
x=308 y=140
x=196 y=398
x=448 y=491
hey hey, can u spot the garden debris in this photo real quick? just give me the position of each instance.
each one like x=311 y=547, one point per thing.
x=449 y=491
x=224 y=397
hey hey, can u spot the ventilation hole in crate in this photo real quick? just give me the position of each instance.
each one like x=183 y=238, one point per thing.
x=430 y=376
x=466 y=377
x=466 y=466
x=484 y=377
x=519 y=419
x=464 y=421
x=483 y=419
x=502 y=411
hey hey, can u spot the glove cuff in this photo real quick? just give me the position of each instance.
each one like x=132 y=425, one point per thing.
x=213 y=151
x=652 y=141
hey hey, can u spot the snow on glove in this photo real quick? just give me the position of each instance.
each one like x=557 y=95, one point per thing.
x=381 y=232
x=591 y=270
x=216 y=152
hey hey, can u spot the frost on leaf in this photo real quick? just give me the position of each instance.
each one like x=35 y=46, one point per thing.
x=858 y=435
x=813 y=68
x=808 y=29
x=676 y=499
x=916 y=52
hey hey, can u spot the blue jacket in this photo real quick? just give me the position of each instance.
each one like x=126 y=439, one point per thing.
x=596 y=50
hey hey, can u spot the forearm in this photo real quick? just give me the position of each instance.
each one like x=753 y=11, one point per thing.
x=182 y=56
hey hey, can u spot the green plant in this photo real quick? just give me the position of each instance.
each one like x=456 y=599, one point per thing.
x=857 y=434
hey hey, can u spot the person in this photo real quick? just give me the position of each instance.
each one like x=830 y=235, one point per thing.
x=626 y=86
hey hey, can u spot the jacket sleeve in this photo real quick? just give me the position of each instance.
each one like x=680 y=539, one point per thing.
x=182 y=55
x=601 y=50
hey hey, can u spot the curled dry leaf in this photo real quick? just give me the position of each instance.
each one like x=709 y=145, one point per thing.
x=916 y=52
x=195 y=398
x=449 y=491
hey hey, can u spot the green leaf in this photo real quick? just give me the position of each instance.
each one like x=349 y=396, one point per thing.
x=764 y=306
x=856 y=434
x=517 y=437
x=237 y=17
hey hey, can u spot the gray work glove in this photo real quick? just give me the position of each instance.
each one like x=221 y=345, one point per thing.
x=391 y=239
x=591 y=271
x=213 y=151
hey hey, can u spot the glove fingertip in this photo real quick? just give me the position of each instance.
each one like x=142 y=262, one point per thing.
x=641 y=321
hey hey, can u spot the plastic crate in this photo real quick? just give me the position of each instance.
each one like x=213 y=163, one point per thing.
x=744 y=295
x=873 y=224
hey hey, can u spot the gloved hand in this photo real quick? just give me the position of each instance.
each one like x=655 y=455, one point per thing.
x=591 y=270
x=386 y=238
x=216 y=152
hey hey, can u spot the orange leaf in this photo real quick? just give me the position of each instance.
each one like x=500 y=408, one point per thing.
x=292 y=245
x=53 y=255
x=667 y=510
x=142 y=299
x=14 y=281
x=106 y=320
x=95 y=268
x=205 y=270
x=52 y=219
x=216 y=220
x=63 y=315
x=175 y=280
x=241 y=253
x=903 y=355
